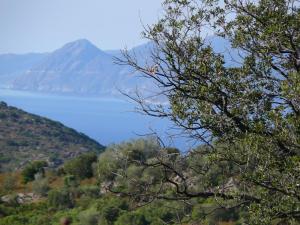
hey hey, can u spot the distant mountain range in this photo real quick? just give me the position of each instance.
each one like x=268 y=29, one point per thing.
x=78 y=67
x=13 y=65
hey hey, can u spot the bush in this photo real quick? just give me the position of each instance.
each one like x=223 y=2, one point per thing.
x=70 y=215
x=9 y=183
x=41 y=186
x=14 y=220
x=81 y=167
x=112 y=159
x=111 y=213
x=70 y=181
x=111 y=208
x=31 y=169
x=60 y=199
x=132 y=218
x=89 y=217
x=91 y=191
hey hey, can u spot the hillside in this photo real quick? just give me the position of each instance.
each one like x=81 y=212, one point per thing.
x=25 y=137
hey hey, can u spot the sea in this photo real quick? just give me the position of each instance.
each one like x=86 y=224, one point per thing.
x=107 y=120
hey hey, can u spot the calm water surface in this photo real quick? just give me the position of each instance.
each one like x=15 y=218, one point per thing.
x=106 y=120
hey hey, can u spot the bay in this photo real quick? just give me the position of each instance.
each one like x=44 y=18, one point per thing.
x=107 y=120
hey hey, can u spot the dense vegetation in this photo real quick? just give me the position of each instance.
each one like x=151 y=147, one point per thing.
x=26 y=137
x=59 y=197
x=244 y=111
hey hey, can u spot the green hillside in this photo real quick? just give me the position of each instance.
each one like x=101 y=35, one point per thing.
x=25 y=137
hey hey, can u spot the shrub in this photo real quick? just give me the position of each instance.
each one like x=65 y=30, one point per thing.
x=60 y=199
x=111 y=208
x=41 y=186
x=9 y=183
x=69 y=214
x=91 y=191
x=89 y=217
x=33 y=168
x=81 y=167
x=111 y=213
x=70 y=181
x=132 y=218
x=14 y=220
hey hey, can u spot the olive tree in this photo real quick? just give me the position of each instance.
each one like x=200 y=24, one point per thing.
x=245 y=113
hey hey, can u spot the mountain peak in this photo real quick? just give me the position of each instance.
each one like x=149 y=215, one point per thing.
x=79 y=50
x=81 y=44
x=83 y=41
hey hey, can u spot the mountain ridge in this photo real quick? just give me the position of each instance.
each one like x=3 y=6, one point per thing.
x=81 y=68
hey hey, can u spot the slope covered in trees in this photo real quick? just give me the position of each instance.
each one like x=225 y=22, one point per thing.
x=25 y=137
x=78 y=193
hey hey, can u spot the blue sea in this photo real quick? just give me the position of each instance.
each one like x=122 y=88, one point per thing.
x=106 y=120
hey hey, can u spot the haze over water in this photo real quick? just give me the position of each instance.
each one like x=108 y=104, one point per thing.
x=106 y=120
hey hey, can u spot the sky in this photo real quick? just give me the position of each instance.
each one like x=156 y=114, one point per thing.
x=45 y=25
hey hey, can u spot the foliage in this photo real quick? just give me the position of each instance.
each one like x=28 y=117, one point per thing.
x=70 y=181
x=81 y=167
x=41 y=186
x=32 y=169
x=29 y=137
x=9 y=183
x=90 y=204
x=245 y=112
x=89 y=217
x=60 y=199
x=110 y=208
x=132 y=218
x=91 y=191
x=139 y=150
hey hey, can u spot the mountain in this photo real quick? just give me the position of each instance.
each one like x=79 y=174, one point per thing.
x=25 y=137
x=81 y=68
x=78 y=68
x=12 y=65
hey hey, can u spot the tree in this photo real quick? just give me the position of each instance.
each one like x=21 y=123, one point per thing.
x=110 y=208
x=245 y=113
x=36 y=167
x=81 y=167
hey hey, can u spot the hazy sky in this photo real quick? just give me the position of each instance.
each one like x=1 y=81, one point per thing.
x=44 y=25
